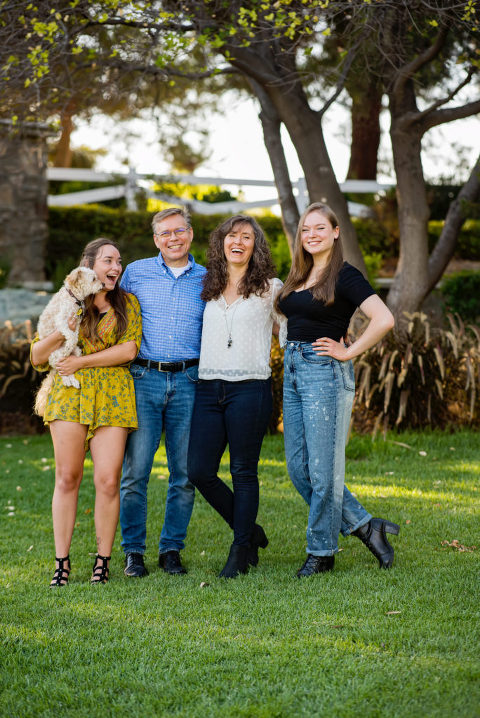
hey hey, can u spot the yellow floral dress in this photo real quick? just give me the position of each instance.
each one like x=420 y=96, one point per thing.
x=106 y=396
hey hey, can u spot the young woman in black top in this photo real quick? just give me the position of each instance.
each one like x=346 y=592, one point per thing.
x=319 y=298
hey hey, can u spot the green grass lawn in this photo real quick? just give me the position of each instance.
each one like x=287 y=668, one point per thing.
x=354 y=642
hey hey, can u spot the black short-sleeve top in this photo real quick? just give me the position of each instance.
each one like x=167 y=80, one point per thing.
x=309 y=319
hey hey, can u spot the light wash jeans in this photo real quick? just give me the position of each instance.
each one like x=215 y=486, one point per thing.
x=318 y=394
x=164 y=401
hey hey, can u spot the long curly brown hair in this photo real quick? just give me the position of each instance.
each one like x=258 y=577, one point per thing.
x=116 y=297
x=260 y=268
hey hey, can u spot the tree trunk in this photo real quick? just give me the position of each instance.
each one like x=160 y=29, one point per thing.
x=365 y=116
x=282 y=84
x=271 y=127
x=411 y=282
x=305 y=129
x=63 y=150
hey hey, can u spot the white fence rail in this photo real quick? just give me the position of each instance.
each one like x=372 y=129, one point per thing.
x=132 y=183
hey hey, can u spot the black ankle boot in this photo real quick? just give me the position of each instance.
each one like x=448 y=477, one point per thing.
x=237 y=562
x=374 y=536
x=316 y=564
x=258 y=539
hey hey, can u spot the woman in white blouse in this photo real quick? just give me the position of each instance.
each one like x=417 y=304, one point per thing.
x=234 y=397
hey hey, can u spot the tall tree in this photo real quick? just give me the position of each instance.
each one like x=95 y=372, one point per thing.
x=266 y=42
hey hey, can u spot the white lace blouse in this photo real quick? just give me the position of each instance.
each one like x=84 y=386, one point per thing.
x=236 y=338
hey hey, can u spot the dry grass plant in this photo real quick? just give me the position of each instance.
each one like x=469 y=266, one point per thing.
x=430 y=378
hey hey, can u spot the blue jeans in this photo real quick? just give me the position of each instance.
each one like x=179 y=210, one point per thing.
x=237 y=413
x=318 y=394
x=164 y=401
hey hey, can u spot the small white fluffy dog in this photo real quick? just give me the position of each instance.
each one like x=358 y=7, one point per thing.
x=68 y=301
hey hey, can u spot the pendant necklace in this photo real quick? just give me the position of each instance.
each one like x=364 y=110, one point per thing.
x=229 y=328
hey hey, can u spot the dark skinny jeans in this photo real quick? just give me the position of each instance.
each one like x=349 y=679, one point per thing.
x=234 y=413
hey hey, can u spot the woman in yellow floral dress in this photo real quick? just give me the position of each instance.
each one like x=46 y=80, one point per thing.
x=98 y=415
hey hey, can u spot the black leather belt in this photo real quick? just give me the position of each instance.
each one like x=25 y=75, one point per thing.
x=166 y=365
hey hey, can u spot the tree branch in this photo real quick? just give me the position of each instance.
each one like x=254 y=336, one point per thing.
x=271 y=126
x=456 y=215
x=165 y=72
x=249 y=64
x=351 y=55
x=409 y=70
x=452 y=113
x=141 y=24
x=443 y=100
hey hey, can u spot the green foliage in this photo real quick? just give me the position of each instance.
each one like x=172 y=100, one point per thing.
x=373 y=264
x=468 y=243
x=71 y=228
x=60 y=271
x=461 y=294
x=430 y=379
x=373 y=237
x=276 y=364
x=204 y=193
x=440 y=197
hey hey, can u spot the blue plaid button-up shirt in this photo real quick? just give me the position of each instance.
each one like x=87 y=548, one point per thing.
x=172 y=311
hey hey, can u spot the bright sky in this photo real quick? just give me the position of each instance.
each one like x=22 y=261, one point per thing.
x=238 y=150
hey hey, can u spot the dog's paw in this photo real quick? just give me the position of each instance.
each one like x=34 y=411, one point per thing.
x=70 y=380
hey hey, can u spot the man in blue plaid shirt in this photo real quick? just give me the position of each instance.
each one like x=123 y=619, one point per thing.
x=165 y=374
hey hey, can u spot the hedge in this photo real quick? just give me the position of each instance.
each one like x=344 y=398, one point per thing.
x=70 y=228
x=461 y=295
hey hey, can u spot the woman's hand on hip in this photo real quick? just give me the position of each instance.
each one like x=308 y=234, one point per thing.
x=329 y=347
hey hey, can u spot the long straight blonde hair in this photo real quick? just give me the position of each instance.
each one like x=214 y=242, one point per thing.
x=302 y=261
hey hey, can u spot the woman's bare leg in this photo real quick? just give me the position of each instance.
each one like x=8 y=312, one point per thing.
x=107 y=448
x=69 y=446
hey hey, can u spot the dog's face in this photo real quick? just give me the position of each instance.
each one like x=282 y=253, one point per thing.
x=83 y=281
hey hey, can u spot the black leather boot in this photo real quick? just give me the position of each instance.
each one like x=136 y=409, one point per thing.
x=316 y=564
x=258 y=539
x=237 y=562
x=374 y=536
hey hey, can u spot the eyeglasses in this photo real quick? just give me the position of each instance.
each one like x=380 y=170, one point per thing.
x=180 y=232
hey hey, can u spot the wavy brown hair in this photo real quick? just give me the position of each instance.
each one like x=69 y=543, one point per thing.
x=116 y=297
x=302 y=261
x=260 y=267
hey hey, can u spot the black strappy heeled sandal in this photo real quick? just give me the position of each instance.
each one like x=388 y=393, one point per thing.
x=100 y=570
x=59 y=577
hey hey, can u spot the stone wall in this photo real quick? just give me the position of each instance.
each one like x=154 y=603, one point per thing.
x=23 y=201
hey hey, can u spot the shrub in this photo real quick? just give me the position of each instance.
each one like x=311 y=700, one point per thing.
x=18 y=380
x=373 y=263
x=461 y=294
x=71 y=228
x=468 y=242
x=4 y=272
x=373 y=237
x=430 y=379
x=276 y=364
